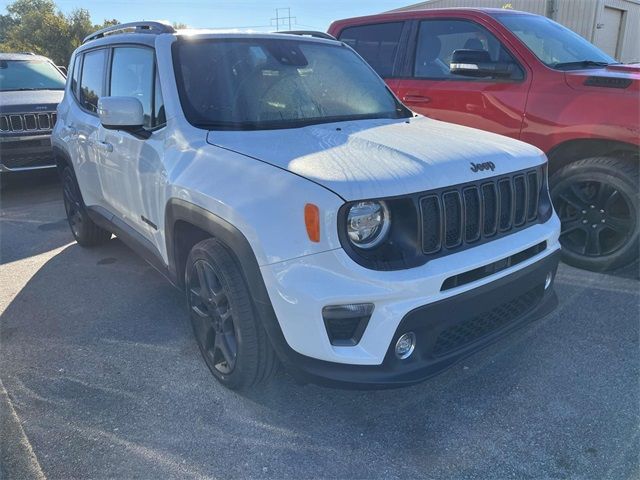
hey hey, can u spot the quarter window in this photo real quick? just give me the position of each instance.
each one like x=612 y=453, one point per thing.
x=438 y=39
x=91 y=79
x=377 y=44
x=75 y=75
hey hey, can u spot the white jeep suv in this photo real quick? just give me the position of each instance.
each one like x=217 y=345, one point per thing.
x=311 y=219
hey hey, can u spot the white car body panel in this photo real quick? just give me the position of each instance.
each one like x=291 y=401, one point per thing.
x=383 y=158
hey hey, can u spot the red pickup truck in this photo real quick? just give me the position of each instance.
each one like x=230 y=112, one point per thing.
x=526 y=77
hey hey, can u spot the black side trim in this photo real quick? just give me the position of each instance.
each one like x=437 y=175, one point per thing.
x=148 y=222
x=130 y=237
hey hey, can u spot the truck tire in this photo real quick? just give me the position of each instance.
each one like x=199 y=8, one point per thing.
x=84 y=230
x=229 y=333
x=598 y=202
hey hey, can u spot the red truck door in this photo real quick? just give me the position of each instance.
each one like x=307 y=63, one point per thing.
x=428 y=87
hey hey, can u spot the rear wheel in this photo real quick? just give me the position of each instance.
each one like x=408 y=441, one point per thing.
x=231 y=338
x=84 y=230
x=598 y=203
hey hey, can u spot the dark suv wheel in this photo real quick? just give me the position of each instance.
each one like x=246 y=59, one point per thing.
x=597 y=201
x=231 y=338
x=84 y=230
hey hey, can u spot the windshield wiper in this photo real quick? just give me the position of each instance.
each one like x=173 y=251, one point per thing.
x=582 y=63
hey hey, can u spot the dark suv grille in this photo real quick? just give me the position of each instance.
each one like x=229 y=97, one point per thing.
x=27 y=122
x=470 y=214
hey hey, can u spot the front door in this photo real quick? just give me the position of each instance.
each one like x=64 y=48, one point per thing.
x=495 y=105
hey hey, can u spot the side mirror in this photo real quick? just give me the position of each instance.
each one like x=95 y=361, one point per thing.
x=122 y=113
x=478 y=63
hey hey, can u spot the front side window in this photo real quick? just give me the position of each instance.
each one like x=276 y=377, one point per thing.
x=438 y=39
x=377 y=44
x=91 y=79
x=29 y=75
x=132 y=75
x=274 y=83
x=554 y=45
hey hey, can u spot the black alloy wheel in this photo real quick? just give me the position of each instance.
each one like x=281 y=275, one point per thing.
x=72 y=203
x=597 y=202
x=212 y=318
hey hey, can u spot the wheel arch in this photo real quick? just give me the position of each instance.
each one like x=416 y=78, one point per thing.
x=571 y=150
x=61 y=158
x=187 y=224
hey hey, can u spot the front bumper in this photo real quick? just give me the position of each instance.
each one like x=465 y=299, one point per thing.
x=25 y=152
x=411 y=299
x=447 y=331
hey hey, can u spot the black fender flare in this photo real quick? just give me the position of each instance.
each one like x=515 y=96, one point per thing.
x=234 y=239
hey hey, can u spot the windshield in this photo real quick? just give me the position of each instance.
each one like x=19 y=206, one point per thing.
x=277 y=83
x=29 y=75
x=553 y=44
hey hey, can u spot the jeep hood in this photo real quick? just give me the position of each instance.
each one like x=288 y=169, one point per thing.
x=30 y=101
x=381 y=158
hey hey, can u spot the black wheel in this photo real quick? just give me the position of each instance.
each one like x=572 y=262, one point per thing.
x=83 y=229
x=597 y=201
x=232 y=341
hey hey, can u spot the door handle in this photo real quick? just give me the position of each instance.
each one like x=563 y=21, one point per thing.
x=104 y=146
x=416 y=99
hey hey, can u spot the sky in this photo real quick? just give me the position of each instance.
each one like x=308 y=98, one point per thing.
x=228 y=14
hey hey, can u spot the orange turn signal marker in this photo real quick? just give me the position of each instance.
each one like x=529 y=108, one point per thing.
x=312 y=221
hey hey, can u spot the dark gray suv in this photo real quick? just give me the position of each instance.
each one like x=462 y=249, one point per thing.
x=31 y=87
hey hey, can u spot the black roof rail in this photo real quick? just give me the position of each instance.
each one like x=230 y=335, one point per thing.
x=137 y=27
x=310 y=33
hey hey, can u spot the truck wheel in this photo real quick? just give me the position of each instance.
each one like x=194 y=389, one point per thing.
x=231 y=338
x=597 y=200
x=86 y=233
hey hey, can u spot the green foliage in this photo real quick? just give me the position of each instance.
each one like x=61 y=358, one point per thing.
x=38 y=26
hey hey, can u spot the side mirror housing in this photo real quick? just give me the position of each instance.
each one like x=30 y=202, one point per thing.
x=478 y=63
x=122 y=113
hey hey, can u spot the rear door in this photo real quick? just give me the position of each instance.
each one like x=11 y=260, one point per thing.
x=382 y=45
x=428 y=87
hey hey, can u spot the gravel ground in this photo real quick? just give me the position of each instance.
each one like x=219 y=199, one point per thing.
x=100 y=377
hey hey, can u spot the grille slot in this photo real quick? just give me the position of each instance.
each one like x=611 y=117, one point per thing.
x=431 y=224
x=469 y=214
x=452 y=219
x=27 y=122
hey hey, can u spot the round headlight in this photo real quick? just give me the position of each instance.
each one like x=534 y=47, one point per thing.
x=368 y=223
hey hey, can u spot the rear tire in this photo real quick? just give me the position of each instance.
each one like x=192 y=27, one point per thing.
x=598 y=202
x=84 y=230
x=231 y=338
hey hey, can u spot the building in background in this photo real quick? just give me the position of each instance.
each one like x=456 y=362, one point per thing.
x=612 y=25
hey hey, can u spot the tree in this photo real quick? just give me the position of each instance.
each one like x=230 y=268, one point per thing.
x=38 y=26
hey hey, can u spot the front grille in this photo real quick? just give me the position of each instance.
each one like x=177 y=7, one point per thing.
x=473 y=213
x=27 y=122
x=465 y=333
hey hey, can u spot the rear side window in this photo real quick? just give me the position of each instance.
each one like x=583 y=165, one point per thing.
x=377 y=44
x=91 y=79
x=132 y=75
x=438 y=39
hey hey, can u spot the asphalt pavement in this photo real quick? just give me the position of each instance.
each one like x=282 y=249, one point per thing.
x=100 y=377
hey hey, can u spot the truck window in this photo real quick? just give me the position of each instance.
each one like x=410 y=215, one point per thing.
x=377 y=44
x=438 y=39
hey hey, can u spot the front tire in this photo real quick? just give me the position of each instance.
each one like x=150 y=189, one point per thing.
x=231 y=338
x=598 y=202
x=84 y=230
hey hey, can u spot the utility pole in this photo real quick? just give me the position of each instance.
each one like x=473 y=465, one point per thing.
x=279 y=19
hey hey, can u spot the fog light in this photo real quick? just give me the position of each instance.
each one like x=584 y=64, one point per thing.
x=547 y=281
x=405 y=345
